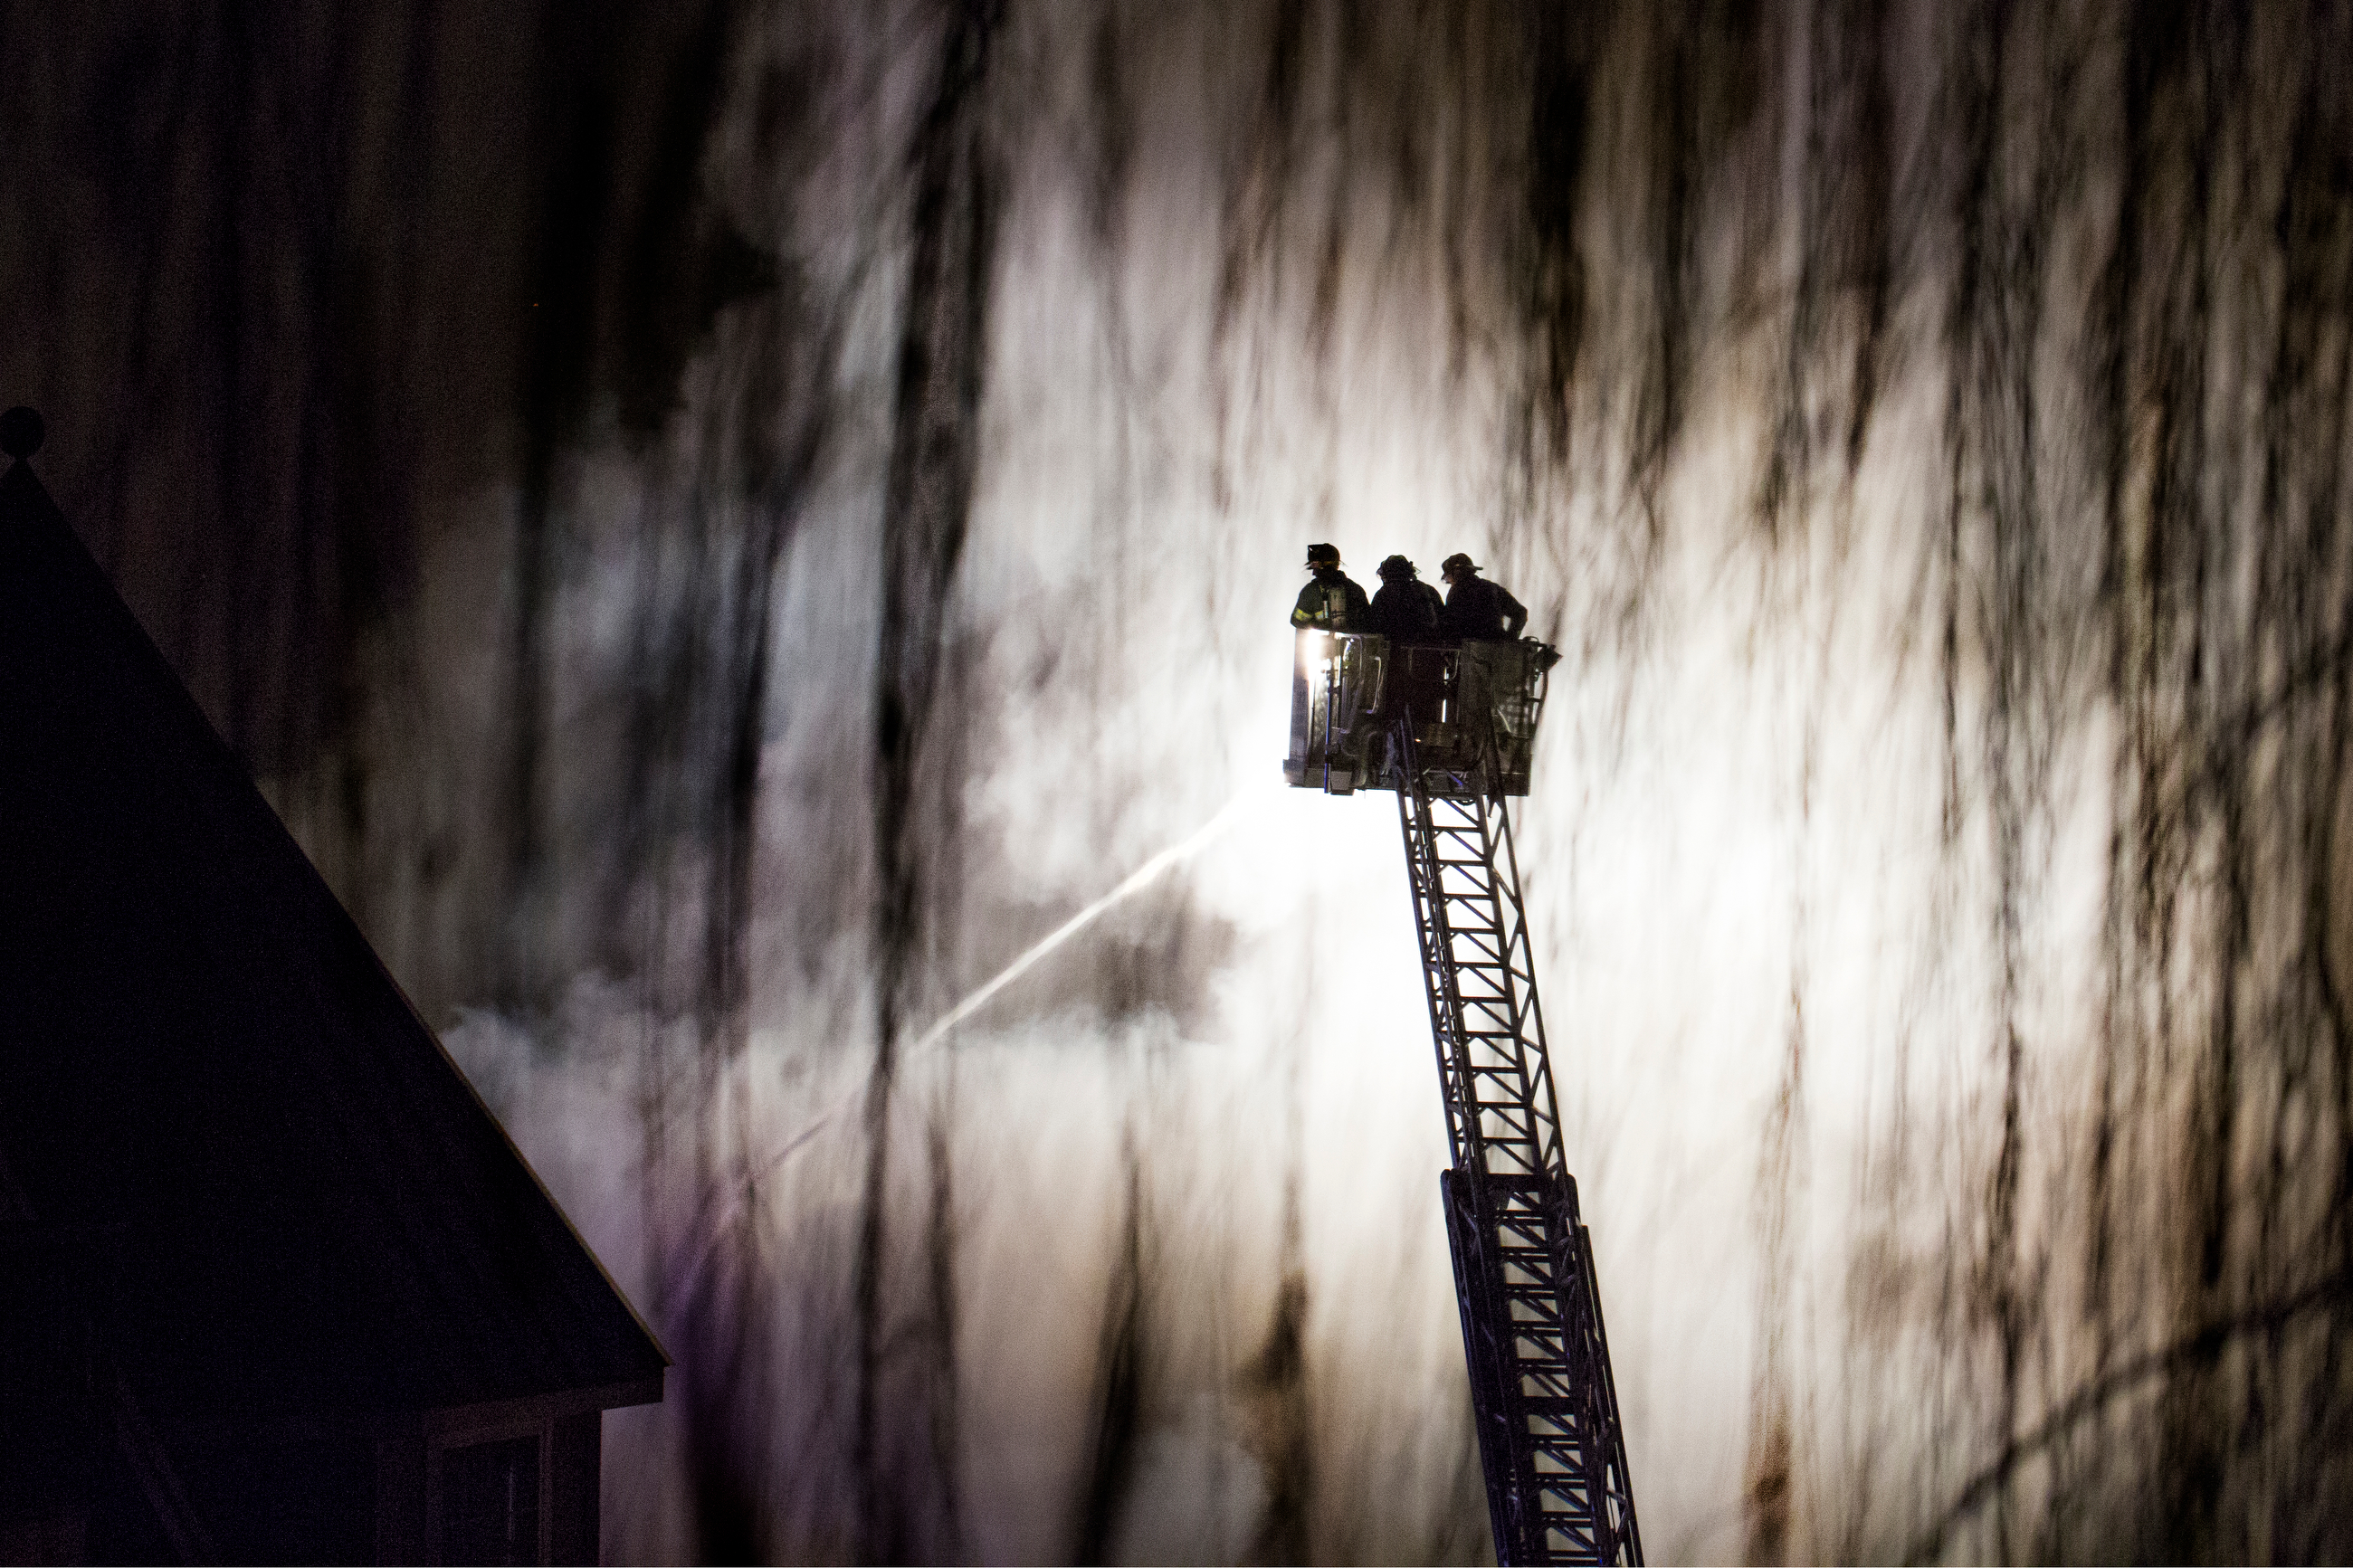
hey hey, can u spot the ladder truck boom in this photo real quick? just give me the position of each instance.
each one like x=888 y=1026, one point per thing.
x=1451 y=732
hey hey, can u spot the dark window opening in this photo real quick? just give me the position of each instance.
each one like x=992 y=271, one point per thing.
x=490 y=1502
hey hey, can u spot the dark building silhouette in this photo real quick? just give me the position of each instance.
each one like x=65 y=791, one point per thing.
x=274 y=1285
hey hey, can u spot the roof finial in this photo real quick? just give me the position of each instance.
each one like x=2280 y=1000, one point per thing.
x=20 y=433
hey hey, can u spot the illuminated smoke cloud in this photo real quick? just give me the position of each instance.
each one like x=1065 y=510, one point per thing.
x=722 y=526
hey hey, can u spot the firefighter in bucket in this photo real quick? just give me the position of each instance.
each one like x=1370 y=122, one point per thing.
x=1336 y=677
x=1331 y=602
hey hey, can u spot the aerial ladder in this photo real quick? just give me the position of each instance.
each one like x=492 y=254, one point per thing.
x=1451 y=731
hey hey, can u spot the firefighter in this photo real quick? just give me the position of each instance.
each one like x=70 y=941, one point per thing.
x=1477 y=609
x=1407 y=608
x=1330 y=603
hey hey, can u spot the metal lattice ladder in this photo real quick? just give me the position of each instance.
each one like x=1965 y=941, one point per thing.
x=1546 y=1405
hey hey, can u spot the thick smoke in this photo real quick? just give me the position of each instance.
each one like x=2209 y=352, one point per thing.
x=723 y=524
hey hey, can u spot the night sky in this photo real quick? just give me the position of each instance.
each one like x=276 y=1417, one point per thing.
x=719 y=524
